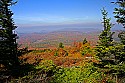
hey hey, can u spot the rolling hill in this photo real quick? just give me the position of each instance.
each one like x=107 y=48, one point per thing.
x=66 y=36
x=52 y=39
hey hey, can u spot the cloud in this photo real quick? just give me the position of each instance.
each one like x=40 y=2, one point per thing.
x=56 y=27
x=62 y=25
x=43 y=19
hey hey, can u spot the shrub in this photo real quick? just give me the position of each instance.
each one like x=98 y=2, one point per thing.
x=83 y=74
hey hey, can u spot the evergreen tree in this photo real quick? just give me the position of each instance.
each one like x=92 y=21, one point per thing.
x=84 y=41
x=120 y=16
x=120 y=48
x=110 y=53
x=106 y=50
x=8 y=44
x=120 y=12
x=105 y=40
x=61 y=45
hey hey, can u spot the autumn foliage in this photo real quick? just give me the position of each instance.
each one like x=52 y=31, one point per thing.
x=67 y=56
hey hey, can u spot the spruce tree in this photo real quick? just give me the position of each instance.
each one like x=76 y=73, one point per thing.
x=120 y=16
x=120 y=48
x=61 y=45
x=120 y=12
x=112 y=55
x=84 y=41
x=8 y=44
x=106 y=47
x=105 y=42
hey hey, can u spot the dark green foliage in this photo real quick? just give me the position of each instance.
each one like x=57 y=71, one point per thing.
x=110 y=53
x=56 y=53
x=48 y=72
x=120 y=16
x=120 y=13
x=61 y=45
x=105 y=38
x=85 y=41
x=66 y=54
x=121 y=35
x=120 y=48
x=42 y=73
x=83 y=74
x=105 y=45
x=8 y=45
x=86 y=49
x=106 y=48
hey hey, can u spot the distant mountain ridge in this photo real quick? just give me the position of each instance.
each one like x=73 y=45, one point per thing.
x=52 y=39
x=52 y=29
x=84 y=30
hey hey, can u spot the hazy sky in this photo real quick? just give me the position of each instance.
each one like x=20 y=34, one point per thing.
x=83 y=13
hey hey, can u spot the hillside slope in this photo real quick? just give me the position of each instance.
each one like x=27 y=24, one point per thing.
x=52 y=39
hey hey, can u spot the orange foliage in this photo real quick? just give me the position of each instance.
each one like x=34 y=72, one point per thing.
x=66 y=57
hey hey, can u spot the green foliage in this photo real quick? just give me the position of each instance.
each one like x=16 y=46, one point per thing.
x=121 y=35
x=44 y=50
x=119 y=54
x=105 y=38
x=120 y=47
x=86 y=49
x=120 y=16
x=110 y=53
x=46 y=65
x=66 y=54
x=120 y=13
x=8 y=44
x=83 y=74
x=41 y=73
x=48 y=72
x=61 y=45
x=84 y=41
x=56 y=53
x=105 y=50
x=67 y=75
x=105 y=47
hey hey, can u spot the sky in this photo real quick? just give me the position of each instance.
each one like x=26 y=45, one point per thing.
x=38 y=15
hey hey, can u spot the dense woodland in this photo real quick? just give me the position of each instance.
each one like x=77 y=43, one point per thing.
x=79 y=63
